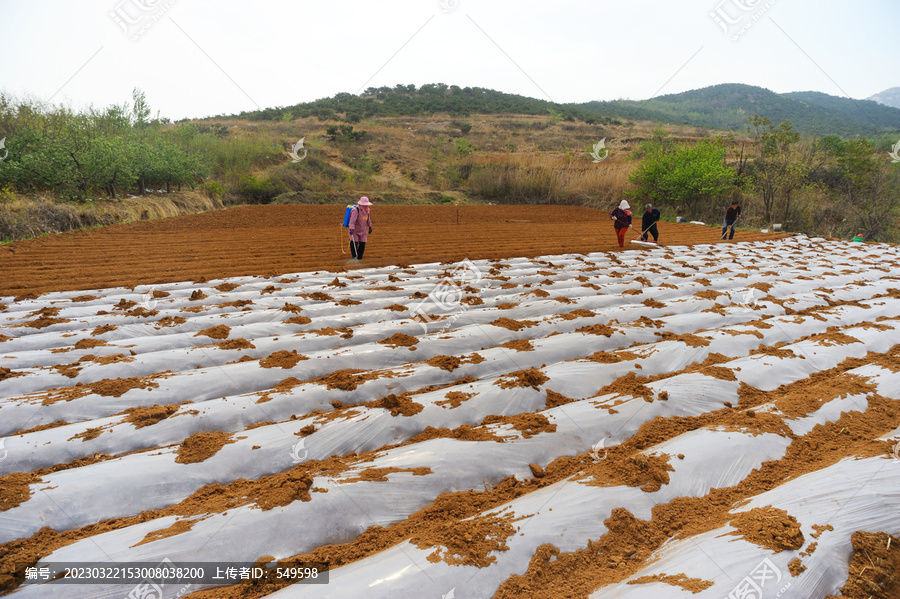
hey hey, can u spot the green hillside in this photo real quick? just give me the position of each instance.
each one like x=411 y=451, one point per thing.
x=724 y=107
x=727 y=106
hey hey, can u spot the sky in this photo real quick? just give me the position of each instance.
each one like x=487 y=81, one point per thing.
x=197 y=58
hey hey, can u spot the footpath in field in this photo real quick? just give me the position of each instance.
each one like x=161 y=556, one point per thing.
x=270 y=240
x=671 y=422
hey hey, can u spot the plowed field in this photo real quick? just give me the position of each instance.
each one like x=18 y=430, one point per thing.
x=269 y=240
x=706 y=421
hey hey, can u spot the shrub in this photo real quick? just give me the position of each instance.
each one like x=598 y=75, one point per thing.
x=344 y=133
x=463 y=126
x=261 y=190
x=463 y=147
x=214 y=190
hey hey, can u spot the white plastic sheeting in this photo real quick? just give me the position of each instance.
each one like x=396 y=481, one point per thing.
x=219 y=394
x=852 y=495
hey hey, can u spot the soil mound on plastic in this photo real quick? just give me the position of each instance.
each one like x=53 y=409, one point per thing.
x=6 y=373
x=347 y=379
x=769 y=527
x=14 y=489
x=687 y=339
x=217 y=332
x=468 y=543
x=448 y=363
x=282 y=359
x=513 y=325
x=141 y=417
x=398 y=405
x=518 y=345
x=201 y=446
x=400 y=340
x=528 y=424
x=239 y=343
x=874 y=567
x=531 y=377
x=629 y=384
x=597 y=329
x=342 y=332
x=694 y=585
x=454 y=399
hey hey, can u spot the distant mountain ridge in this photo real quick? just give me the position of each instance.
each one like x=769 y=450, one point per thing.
x=725 y=106
x=889 y=97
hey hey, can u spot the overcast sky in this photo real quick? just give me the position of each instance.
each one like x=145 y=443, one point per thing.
x=196 y=58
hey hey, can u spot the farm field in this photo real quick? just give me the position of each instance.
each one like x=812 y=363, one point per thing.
x=269 y=240
x=498 y=408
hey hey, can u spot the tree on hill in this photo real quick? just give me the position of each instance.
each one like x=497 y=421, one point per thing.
x=782 y=166
x=867 y=190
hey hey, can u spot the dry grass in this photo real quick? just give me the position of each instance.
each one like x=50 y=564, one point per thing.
x=551 y=178
x=22 y=218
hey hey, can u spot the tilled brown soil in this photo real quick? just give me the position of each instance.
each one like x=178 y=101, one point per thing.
x=271 y=240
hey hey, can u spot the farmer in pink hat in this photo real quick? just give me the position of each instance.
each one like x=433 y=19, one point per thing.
x=360 y=227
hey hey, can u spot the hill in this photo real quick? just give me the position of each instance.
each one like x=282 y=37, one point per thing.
x=724 y=106
x=889 y=97
x=727 y=106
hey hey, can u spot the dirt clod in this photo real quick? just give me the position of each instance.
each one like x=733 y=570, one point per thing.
x=201 y=446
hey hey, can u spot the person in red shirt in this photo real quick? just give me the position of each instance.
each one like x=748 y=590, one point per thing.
x=731 y=215
x=622 y=217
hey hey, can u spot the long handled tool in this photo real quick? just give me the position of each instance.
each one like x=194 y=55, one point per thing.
x=342 y=241
x=732 y=226
x=641 y=240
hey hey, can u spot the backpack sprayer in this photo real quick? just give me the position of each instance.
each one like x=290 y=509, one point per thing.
x=346 y=224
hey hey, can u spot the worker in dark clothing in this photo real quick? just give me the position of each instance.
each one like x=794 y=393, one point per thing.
x=648 y=223
x=731 y=215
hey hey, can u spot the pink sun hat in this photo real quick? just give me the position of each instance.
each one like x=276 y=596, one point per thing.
x=364 y=201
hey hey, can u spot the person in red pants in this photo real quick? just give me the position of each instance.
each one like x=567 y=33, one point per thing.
x=622 y=217
x=360 y=227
